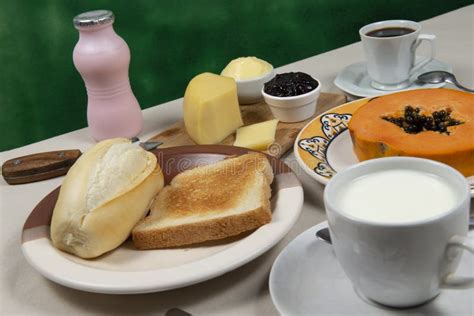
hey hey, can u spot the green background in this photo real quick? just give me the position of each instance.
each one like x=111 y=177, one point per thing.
x=42 y=95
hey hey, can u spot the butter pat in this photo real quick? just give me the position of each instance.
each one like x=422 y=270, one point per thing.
x=257 y=136
x=211 y=109
x=244 y=68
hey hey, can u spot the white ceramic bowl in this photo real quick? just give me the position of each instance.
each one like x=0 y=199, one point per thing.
x=248 y=90
x=293 y=109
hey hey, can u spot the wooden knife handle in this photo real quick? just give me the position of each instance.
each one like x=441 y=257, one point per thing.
x=37 y=167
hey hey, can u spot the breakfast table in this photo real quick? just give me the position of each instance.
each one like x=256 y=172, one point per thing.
x=243 y=291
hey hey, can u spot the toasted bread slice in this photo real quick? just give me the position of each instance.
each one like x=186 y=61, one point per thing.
x=209 y=203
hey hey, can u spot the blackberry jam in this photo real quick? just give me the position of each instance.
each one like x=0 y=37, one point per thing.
x=290 y=84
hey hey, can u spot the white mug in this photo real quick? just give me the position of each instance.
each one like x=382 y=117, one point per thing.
x=401 y=264
x=391 y=60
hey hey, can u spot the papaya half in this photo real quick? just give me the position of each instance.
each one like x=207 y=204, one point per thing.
x=378 y=128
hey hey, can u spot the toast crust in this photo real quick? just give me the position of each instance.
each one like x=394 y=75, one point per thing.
x=208 y=191
x=212 y=229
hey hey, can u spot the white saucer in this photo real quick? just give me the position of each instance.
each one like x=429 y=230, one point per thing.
x=306 y=279
x=355 y=80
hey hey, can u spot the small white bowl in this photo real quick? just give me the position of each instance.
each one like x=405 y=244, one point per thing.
x=293 y=109
x=248 y=90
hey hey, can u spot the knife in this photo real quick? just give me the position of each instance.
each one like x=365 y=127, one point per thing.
x=47 y=165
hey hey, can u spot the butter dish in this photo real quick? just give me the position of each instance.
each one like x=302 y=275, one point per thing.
x=250 y=74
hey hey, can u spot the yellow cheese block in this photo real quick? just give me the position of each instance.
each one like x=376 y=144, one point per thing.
x=256 y=136
x=211 y=108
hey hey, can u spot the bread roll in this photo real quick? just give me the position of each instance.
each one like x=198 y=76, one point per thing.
x=105 y=193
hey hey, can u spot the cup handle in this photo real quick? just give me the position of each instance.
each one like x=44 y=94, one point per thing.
x=455 y=281
x=424 y=37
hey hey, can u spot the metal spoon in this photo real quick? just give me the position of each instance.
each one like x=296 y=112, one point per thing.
x=439 y=76
x=149 y=145
x=324 y=234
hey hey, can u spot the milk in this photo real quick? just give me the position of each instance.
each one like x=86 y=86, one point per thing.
x=396 y=196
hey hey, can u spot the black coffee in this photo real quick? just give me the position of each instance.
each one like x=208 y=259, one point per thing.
x=390 y=32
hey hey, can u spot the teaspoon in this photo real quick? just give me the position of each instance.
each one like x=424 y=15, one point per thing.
x=439 y=76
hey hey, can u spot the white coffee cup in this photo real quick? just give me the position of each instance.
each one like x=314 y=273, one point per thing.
x=391 y=60
x=401 y=264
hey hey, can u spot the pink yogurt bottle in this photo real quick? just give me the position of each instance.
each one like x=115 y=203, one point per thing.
x=102 y=58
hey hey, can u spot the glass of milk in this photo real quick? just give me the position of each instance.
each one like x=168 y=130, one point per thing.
x=398 y=227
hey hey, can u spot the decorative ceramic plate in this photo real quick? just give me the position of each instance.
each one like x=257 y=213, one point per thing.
x=324 y=145
x=307 y=279
x=127 y=270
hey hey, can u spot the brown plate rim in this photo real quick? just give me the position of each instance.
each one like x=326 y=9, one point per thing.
x=42 y=212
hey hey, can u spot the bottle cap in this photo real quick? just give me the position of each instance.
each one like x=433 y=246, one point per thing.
x=93 y=18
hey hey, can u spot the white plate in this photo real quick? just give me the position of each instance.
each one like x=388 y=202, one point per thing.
x=355 y=80
x=306 y=279
x=126 y=270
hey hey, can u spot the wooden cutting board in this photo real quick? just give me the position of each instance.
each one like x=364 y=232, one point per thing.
x=285 y=136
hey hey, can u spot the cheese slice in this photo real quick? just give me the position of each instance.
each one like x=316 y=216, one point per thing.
x=256 y=136
x=211 y=108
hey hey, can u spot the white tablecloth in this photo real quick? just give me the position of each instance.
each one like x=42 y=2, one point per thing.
x=240 y=292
